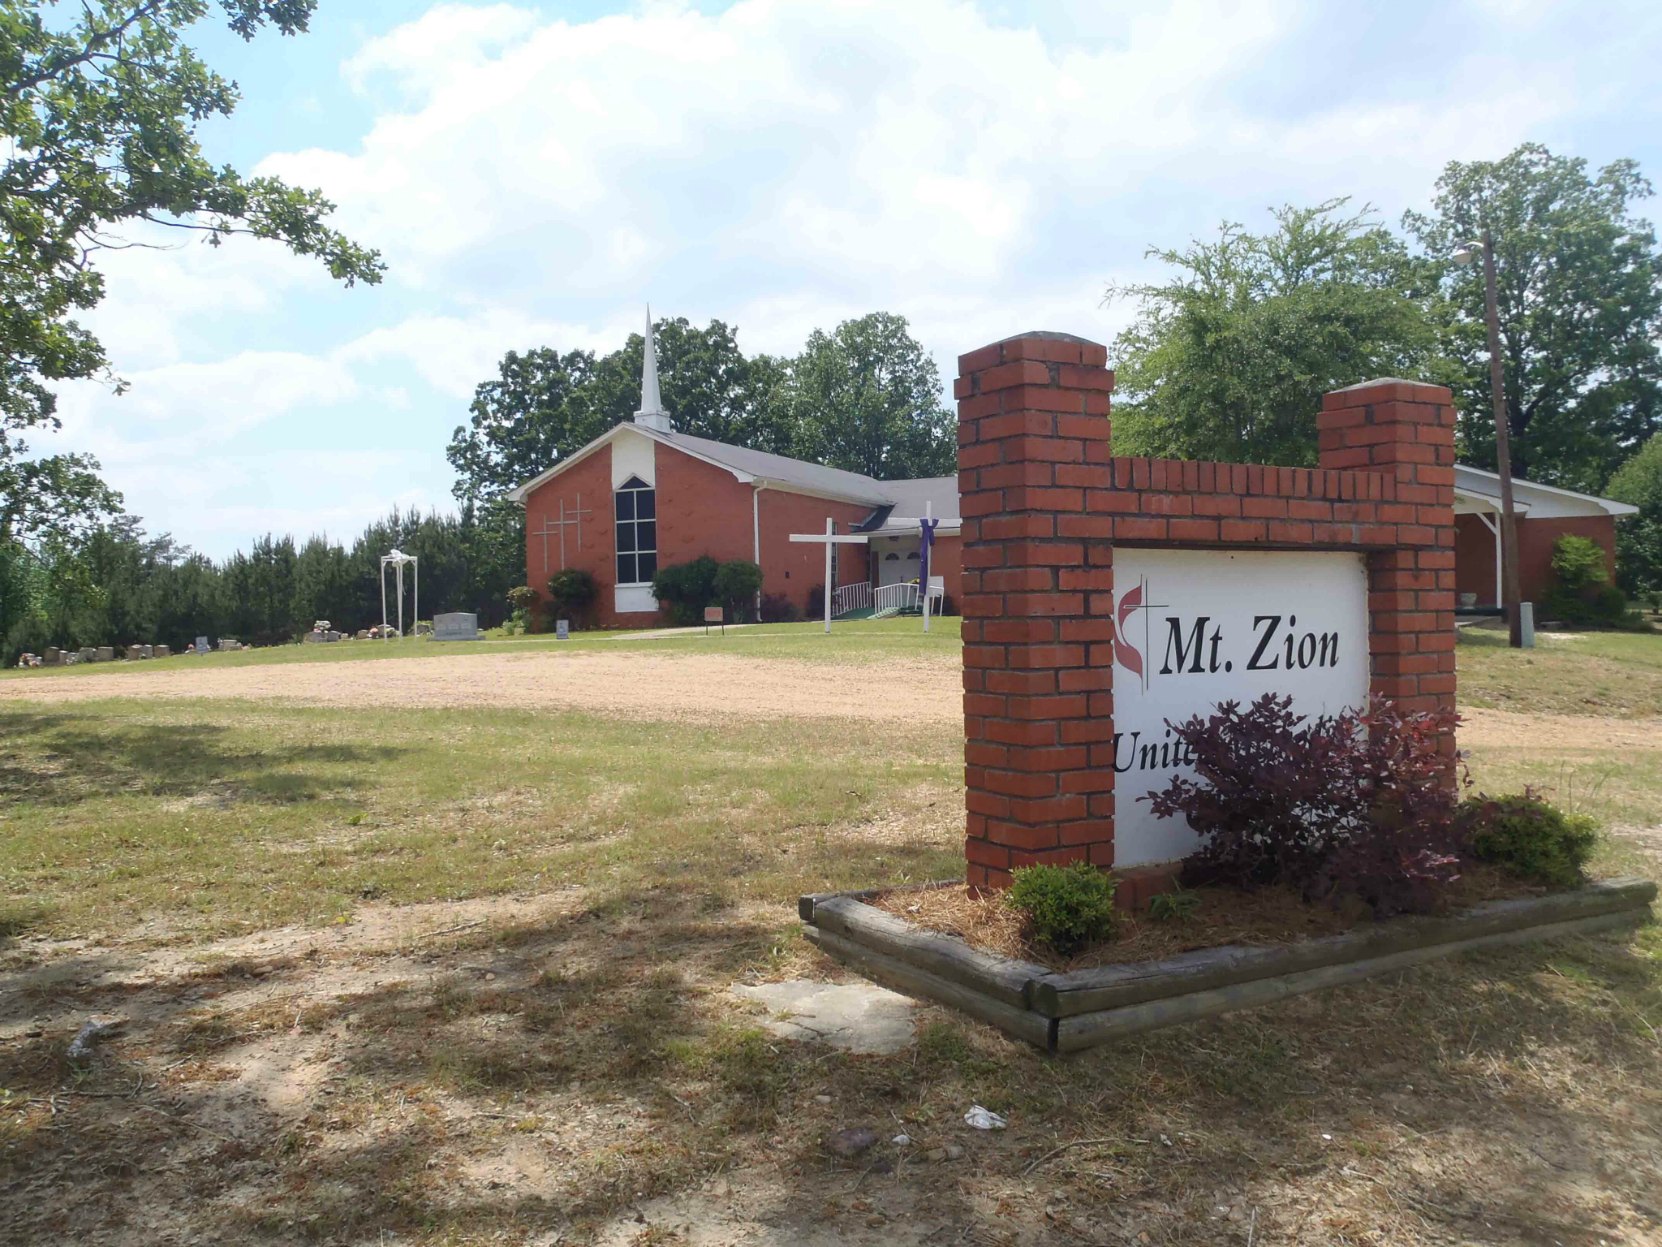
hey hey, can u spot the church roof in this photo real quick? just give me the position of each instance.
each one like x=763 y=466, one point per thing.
x=800 y=474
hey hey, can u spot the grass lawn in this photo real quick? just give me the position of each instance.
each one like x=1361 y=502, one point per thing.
x=462 y=976
x=866 y=641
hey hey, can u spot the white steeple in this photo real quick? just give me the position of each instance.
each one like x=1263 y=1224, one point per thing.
x=652 y=413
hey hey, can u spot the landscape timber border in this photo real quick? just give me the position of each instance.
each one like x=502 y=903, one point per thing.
x=1074 y=1010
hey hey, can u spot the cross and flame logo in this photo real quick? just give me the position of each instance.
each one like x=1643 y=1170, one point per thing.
x=1132 y=602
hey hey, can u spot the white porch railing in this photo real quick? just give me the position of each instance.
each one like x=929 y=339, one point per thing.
x=897 y=597
x=848 y=598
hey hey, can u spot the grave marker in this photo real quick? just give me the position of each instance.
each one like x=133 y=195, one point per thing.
x=456 y=626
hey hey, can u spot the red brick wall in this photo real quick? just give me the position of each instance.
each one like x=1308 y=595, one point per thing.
x=1475 y=552
x=946 y=560
x=1474 y=559
x=1536 y=539
x=793 y=568
x=1044 y=504
x=591 y=479
x=702 y=509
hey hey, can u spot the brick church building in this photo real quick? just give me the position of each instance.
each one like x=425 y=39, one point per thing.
x=643 y=496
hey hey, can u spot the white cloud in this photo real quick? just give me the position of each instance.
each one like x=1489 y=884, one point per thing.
x=183 y=408
x=982 y=168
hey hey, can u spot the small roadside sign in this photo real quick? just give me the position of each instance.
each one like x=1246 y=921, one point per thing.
x=562 y=630
x=715 y=615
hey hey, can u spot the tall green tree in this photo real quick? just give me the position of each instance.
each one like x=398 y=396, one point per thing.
x=1580 y=302
x=867 y=398
x=544 y=404
x=1638 y=482
x=100 y=104
x=1229 y=355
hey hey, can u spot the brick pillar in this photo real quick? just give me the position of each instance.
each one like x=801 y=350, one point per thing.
x=1037 y=604
x=1405 y=429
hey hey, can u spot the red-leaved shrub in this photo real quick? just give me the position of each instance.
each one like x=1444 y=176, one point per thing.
x=1359 y=805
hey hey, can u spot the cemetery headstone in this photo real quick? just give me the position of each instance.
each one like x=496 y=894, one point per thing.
x=163 y=651
x=106 y=653
x=456 y=626
x=562 y=630
x=54 y=655
x=202 y=645
x=229 y=644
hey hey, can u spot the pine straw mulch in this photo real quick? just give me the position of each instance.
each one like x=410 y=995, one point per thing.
x=1224 y=916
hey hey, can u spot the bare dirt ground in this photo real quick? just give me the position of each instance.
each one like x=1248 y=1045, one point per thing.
x=635 y=684
x=493 y=1071
x=698 y=687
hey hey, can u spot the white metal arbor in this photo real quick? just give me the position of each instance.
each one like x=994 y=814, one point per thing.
x=398 y=560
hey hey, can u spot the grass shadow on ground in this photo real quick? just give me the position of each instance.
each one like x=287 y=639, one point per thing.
x=563 y=1074
x=81 y=756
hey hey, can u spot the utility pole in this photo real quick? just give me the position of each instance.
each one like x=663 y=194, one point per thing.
x=1510 y=589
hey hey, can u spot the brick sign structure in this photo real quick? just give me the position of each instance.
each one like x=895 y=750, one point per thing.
x=1046 y=504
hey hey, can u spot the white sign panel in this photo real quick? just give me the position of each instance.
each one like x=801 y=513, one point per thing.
x=1197 y=627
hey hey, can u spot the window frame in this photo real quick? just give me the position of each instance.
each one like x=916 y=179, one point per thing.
x=634 y=490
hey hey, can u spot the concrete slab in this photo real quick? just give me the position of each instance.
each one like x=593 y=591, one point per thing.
x=856 y=1017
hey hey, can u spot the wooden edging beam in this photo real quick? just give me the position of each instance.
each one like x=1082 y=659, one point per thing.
x=1088 y=1030
x=1069 y=1012
x=1017 y=1021
x=944 y=956
x=1107 y=987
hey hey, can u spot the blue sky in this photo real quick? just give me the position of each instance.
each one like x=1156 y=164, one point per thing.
x=534 y=173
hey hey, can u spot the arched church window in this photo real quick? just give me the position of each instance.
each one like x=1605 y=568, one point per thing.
x=636 y=509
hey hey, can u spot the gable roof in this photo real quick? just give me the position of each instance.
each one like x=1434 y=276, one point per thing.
x=899 y=503
x=757 y=467
x=1484 y=486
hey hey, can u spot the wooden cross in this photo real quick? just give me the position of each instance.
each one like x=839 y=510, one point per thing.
x=560 y=525
x=830 y=539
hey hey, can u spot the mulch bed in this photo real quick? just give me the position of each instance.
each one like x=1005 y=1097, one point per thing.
x=1224 y=916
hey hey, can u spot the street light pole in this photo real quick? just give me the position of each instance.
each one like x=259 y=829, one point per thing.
x=1511 y=592
x=1510 y=588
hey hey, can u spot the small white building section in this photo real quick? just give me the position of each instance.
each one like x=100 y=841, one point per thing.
x=1477 y=493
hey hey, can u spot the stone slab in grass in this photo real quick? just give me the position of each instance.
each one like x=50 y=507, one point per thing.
x=856 y=1017
x=1067 y=1012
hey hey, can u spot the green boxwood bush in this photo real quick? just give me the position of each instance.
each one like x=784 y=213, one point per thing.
x=1067 y=908
x=571 y=594
x=1529 y=837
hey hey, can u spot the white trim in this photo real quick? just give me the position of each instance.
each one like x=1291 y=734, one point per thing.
x=634 y=600
x=1493 y=525
x=520 y=492
x=1609 y=505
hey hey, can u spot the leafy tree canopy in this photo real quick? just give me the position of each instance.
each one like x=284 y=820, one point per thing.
x=1229 y=357
x=1580 y=300
x=100 y=110
x=543 y=404
x=1639 y=537
x=867 y=399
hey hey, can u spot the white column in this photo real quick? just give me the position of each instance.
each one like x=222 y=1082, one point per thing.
x=830 y=529
x=383 y=599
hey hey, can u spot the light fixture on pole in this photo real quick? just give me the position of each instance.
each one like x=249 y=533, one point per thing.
x=398 y=560
x=1511 y=592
